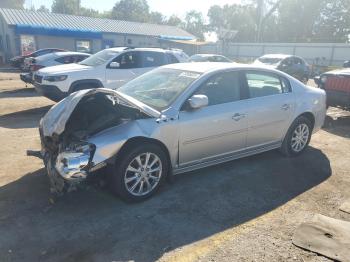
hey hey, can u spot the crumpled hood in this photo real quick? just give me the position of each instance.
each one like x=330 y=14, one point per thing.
x=343 y=71
x=54 y=122
x=61 y=69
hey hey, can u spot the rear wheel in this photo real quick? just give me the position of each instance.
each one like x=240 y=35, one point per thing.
x=298 y=137
x=139 y=172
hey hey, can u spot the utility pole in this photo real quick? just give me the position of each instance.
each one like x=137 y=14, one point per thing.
x=259 y=15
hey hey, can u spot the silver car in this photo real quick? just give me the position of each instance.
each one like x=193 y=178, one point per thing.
x=175 y=119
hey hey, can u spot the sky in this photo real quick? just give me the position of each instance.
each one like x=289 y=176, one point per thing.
x=166 y=7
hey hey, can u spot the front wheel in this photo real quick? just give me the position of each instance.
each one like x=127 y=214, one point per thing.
x=139 y=172
x=298 y=137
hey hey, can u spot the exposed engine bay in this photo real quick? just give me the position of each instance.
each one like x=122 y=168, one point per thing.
x=67 y=156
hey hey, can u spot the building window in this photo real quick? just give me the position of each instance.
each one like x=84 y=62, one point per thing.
x=27 y=44
x=83 y=46
x=129 y=42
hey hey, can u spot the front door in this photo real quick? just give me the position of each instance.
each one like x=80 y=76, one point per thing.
x=217 y=129
x=271 y=106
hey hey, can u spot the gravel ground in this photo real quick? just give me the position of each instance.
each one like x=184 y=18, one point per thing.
x=244 y=210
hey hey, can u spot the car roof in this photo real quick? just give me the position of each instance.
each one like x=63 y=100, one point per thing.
x=156 y=49
x=206 y=55
x=281 y=56
x=58 y=54
x=203 y=67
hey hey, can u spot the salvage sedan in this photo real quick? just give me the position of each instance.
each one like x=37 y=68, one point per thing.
x=175 y=119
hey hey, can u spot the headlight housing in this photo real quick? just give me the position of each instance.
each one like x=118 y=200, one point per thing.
x=55 y=78
x=74 y=163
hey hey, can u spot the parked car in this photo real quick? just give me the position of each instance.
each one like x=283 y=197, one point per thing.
x=290 y=64
x=108 y=68
x=175 y=119
x=17 y=61
x=209 y=58
x=336 y=83
x=346 y=64
x=51 y=59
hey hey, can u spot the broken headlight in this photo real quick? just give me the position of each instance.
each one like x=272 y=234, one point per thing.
x=73 y=163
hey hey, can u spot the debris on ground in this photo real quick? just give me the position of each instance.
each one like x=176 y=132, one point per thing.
x=325 y=236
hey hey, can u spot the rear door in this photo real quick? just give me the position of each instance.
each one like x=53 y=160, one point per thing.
x=270 y=108
x=130 y=66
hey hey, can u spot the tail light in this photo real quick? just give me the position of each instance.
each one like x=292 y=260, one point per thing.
x=34 y=67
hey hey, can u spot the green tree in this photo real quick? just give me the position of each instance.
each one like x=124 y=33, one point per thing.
x=43 y=8
x=333 y=24
x=240 y=17
x=70 y=7
x=174 y=21
x=16 y=4
x=156 y=18
x=194 y=24
x=131 y=10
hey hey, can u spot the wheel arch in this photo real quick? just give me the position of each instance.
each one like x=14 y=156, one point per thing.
x=75 y=84
x=139 y=140
x=310 y=116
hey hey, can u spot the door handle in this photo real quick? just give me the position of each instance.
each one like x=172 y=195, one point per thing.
x=285 y=107
x=238 y=116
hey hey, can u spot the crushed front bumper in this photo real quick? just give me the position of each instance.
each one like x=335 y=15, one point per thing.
x=27 y=78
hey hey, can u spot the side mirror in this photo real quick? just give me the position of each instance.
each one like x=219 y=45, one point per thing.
x=198 y=101
x=114 y=65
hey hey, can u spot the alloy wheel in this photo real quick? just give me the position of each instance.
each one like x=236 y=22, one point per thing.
x=300 y=137
x=143 y=174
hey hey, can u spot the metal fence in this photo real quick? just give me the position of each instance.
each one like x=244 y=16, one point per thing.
x=323 y=54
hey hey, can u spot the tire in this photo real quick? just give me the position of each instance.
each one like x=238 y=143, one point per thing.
x=124 y=171
x=289 y=146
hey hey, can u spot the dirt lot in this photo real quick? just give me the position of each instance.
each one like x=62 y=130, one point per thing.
x=244 y=210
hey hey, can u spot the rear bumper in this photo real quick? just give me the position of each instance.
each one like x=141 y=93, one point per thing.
x=27 y=78
x=50 y=91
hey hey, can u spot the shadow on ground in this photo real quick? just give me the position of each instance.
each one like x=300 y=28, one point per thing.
x=93 y=225
x=23 y=119
x=339 y=126
x=21 y=92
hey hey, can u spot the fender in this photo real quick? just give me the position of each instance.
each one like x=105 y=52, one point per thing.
x=96 y=82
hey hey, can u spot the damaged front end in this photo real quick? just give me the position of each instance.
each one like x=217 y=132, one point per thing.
x=66 y=132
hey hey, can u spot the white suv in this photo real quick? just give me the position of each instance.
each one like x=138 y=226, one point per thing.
x=109 y=68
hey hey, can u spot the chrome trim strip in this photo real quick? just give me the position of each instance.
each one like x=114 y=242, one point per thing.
x=229 y=157
x=214 y=136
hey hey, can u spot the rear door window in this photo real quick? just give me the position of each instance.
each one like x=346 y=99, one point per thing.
x=152 y=59
x=265 y=84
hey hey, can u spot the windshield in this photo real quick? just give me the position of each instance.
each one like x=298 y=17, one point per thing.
x=99 y=58
x=160 y=87
x=269 y=60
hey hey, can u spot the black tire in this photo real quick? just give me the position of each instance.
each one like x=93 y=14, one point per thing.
x=119 y=172
x=286 y=148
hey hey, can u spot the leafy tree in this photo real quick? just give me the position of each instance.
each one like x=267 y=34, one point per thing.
x=131 y=10
x=174 y=21
x=88 y=12
x=194 y=24
x=240 y=17
x=43 y=8
x=16 y=4
x=333 y=25
x=70 y=7
x=156 y=18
